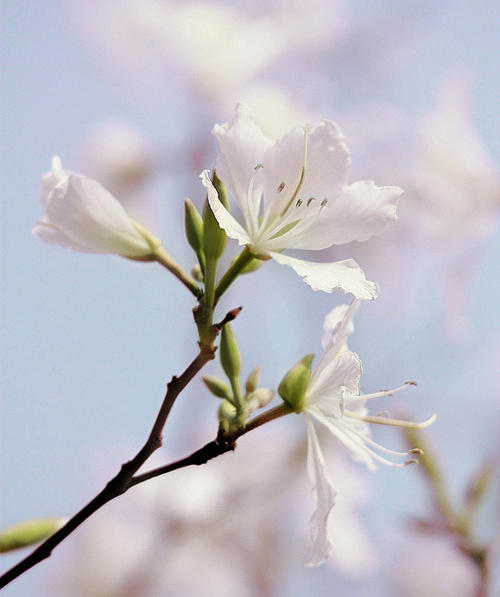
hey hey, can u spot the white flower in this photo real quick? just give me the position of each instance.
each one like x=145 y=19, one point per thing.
x=80 y=213
x=333 y=399
x=293 y=194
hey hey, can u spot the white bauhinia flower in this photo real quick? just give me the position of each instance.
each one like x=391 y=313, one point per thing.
x=81 y=214
x=332 y=398
x=293 y=194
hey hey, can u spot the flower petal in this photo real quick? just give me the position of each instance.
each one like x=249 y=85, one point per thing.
x=242 y=146
x=331 y=378
x=340 y=429
x=359 y=212
x=345 y=275
x=92 y=219
x=326 y=167
x=226 y=221
x=325 y=497
x=47 y=232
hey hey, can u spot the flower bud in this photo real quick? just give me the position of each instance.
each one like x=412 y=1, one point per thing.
x=81 y=214
x=227 y=415
x=259 y=398
x=252 y=381
x=193 y=224
x=293 y=386
x=218 y=387
x=229 y=353
x=214 y=238
x=29 y=532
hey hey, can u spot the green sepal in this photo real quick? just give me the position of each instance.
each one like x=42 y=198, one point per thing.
x=29 y=532
x=294 y=384
x=230 y=357
x=214 y=238
x=217 y=387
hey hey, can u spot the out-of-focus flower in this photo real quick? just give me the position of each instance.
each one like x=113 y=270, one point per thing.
x=332 y=397
x=80 y=213
x=211 y=48
x=118 y=155
x=293 y=194
x=457 y=187
x=429 y=565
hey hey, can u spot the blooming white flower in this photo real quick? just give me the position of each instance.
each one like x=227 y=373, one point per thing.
x=81 y=214
x=293 y=194
x=332 y=398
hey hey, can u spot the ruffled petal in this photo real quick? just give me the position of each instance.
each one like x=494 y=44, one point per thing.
x=242 y=146
x=226 y=221
x=325 y=497
x=92 y=219
x=359 y=212
x=327 y=163
x=344 y=275
x=331 y=379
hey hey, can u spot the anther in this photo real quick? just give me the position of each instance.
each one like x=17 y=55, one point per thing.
x=258 y=166
x=310 y=200
x=383 y=413
x=418 y=451
x=324 y=202
x=412 y=461
x=299 y=203
x=281 y=186
x=411 y=383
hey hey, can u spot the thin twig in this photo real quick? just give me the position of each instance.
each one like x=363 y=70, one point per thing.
x=122 y=481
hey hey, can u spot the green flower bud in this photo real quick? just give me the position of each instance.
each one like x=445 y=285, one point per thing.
x=230 y=353
x=259 y=398
x=214 y=238
x=29 y=532
x=293 y=386
x=252 y=381
x=227 y=415
x=193 y=224
x=218 y=387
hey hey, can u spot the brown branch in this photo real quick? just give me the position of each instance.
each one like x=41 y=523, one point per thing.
x=123 y=480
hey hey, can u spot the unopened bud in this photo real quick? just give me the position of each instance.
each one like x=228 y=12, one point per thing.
x=294 y=385
x=218 y=387
x=252 y=381
x=229 y=353
x=259 y=398
x=193 y=224
x=227 y=415
x=29 y=532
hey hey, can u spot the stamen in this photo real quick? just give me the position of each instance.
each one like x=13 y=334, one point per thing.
x=281 y=186
x=299 y=203
x=310 y=200
x=324 y=202
x=418 y=451
x=368 y=440
x=392 y=422
x=258 y=166
x=302 y=175
x=412 y=461
x=383 y=413
x=385 y=392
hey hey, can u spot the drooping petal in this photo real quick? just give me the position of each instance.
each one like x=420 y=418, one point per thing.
x=325 y=497
x=226 y=221
x=344 y=275
x=89 y=216
x=330 y=380
x=242 y=146
x=326 y=160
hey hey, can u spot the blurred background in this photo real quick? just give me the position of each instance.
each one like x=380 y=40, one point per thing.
x=127 y=92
